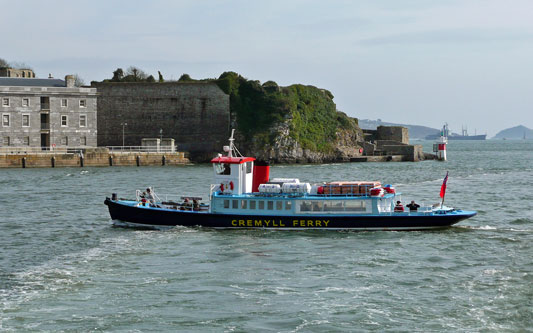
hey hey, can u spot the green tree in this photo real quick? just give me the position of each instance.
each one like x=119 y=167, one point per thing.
x=118 y=75
x=78 y=80
x=136 y=74
x=185 y=78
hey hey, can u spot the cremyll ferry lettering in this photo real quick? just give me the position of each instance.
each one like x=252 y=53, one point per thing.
x=280 y=223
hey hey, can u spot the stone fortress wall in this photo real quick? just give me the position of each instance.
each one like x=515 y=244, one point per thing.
x=391 y=141
x=196 y=115
x=15 y=72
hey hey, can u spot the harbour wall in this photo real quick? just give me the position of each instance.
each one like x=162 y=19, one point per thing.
x=98 y=157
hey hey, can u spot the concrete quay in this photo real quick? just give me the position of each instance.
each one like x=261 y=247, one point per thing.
x=90 y=157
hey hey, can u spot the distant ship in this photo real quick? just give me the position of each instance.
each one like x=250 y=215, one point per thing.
x=454 y=136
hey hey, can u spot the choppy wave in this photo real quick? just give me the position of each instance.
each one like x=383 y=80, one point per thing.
x=64 y=268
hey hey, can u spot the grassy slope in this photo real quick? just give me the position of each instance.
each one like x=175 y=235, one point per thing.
x=314 y=118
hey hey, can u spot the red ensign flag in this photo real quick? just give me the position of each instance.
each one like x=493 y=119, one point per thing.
x=443 y=187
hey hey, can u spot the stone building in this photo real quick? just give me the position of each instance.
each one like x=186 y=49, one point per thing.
x=391 y=141
x=14 y=72
x=46 y=113
x=195 y=114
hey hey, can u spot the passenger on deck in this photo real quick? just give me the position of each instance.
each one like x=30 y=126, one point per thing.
x=399 y=207
x=195 y=205
x=186 y=205
x=227 y=169
x=413 y=206
x=150 y=196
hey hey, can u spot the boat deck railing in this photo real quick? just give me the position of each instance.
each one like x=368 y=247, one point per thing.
x=177 y=201
x=304 y=195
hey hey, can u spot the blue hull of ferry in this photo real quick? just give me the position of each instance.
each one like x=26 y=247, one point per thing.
x=130 y=214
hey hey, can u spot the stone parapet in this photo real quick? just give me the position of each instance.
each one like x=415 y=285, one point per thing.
x=99 y=157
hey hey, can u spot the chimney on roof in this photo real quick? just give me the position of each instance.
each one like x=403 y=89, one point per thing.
x=50 y=76
x=70 y=81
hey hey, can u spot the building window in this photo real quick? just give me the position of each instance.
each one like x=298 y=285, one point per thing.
x=5 y=120
x=26 y=102
x=26 y=140
x=64 y=103
x=5 y=101
x=64 y=141
x=83 y=141
x=83 y=103
x=64 y=121
x=25 y=120
x=83 y=120
x=6 y=141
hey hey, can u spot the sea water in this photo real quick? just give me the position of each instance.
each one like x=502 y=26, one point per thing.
x=63 y=267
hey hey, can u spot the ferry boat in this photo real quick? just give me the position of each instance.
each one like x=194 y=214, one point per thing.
x=243 y=197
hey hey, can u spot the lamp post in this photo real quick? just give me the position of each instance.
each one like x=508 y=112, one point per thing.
x=123 y=126
x=160 y=138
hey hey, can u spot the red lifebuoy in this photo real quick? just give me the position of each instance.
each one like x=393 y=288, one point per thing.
x=229 y=186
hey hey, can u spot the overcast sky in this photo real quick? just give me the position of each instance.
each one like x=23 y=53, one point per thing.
x=420 y=62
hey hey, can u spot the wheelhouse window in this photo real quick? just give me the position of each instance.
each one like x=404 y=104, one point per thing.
x=270 y=205
x=226 y=203
x=25 y=120
x=279 y=205
x=244 y=204
x=83 y=120
x=64 y=121
x=249 y=167
x=235 y=204
x=288 y=205
x=5 y=120
x=252 y=204
x=261 y=204
x=222 y=169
